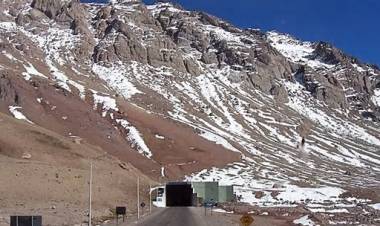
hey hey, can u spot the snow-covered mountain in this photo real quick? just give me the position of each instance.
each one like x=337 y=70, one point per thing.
x=179 y=93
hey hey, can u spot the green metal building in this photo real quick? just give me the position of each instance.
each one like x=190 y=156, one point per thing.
x=211 y=191
x=226 y=194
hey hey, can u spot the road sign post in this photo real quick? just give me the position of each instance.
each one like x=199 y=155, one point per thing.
x=90 y=198
x=209 y=204
x=138 y=198
x=212 y=204
x=246 y=220
x=120 y=210
x=150 y=198
x=26 y=221
x=142 y=205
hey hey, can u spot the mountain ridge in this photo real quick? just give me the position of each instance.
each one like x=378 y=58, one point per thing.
x=166 y=89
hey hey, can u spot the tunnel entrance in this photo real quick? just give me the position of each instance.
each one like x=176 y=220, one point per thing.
x=179 y=194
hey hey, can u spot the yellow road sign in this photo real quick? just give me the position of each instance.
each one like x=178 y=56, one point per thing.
x=246 y=220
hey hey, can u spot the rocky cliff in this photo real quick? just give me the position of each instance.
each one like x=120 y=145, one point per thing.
x=177 y=92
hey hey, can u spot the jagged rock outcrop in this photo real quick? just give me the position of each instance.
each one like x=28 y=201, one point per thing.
x=111 y=36
x=8 y=93
x=329 y=54
x=52 y=8
x=168 y=89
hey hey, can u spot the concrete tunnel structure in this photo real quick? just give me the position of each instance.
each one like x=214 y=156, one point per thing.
x=175 y=194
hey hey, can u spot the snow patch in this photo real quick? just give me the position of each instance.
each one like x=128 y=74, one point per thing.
x=375 y=206
x=218 y=140
x=218 y=210
x=159 y=137
x=304 y=221
x=8 y=26
x=376 y=97
x=293 y=193
x=135 y=138
x=18 y=114
x=9 y=56
x=162 y=171
x=117 y=78
x=80 y=88
x=108 y=103
x=31 y=70
x=295 y=50
x=297 y=101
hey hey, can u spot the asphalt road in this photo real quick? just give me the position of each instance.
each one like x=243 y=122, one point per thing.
x=175 y=216
x=192 y=216
x=182 y=216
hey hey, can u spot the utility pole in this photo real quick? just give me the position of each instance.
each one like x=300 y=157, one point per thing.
x=150 y=198
x=138 y=198
x=90 y=198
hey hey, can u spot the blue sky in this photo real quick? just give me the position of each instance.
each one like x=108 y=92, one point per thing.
x=351 y=25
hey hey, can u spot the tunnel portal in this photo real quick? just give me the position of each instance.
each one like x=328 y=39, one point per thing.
x=179 y=194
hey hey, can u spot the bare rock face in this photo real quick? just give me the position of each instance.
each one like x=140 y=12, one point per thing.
x=104 y=13
x=171 y=33
x=8 y=94
x=128 y=49
x=69 y=12
x=329 y=54
x=279 y=92
x=192 y=67
x=32 y=15
x=104 y=54
x=50 y=7
x=209 y=58
x=326 y=89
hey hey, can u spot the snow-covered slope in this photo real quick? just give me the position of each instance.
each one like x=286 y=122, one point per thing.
x=301 y=115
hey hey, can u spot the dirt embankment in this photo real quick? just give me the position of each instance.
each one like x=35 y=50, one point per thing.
x=46 y=174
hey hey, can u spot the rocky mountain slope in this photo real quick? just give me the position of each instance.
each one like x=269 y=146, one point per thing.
x=179 y=93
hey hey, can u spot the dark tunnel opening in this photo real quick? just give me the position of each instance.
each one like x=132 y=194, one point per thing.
x=179 y=194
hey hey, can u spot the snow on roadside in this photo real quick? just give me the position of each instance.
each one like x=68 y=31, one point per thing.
x=18 y=114
x=246 y=185
x=218 y=210
x=135 y=138
x=288 y=195
x=304 y=221
x=294 y=193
